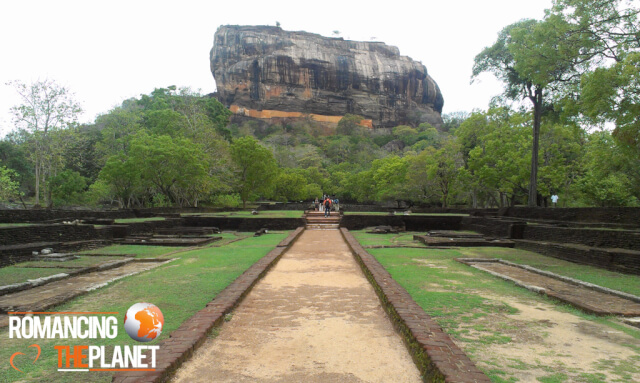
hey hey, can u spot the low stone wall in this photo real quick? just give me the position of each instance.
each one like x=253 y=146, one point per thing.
x=49 y=233
x=409 y=222
x=621 y=239
x=244 y=224
x=492 y=227
x=623 y=261
x=136 y=228
x=621 y=215
x=41 y=215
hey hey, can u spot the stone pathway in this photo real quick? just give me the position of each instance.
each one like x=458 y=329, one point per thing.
x=314 y=318
x=585 y=298
x=42 y=297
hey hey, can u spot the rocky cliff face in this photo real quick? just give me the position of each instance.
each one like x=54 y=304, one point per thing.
x=264 y=70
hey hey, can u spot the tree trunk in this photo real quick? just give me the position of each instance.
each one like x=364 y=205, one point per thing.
x=37 y=182
x=537 y=117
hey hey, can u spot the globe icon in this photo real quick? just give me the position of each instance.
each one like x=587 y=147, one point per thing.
x=143 y=322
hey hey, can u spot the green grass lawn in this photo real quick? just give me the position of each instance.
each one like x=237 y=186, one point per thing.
x=179 y=289
x=610 y=279
x=13 y=274
x=471 y=305
x=247 y=214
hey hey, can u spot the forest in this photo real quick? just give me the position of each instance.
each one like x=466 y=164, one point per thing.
x=567 y=123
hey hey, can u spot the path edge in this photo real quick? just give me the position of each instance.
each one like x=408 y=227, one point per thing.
x=193 y=332
x=435 y=354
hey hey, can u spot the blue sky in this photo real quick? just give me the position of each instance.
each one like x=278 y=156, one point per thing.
x=106 y=52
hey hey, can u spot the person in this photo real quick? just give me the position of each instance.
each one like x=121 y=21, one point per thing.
x=327 y=207
x=336 y=203
x=315 y=204
x=554 y=199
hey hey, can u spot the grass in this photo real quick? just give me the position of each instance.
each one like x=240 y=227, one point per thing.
x=617 y=281
x=179 y=289
x=247 y=214
x=470 y=305
x=137 y=220
x=13 y=274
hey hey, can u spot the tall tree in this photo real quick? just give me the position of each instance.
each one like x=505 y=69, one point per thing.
x=45 y=107
x=256 y=168
x=531 y=58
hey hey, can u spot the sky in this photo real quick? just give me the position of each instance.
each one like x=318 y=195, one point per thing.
x=108 y=51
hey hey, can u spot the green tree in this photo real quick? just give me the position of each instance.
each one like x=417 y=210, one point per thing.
x=389 y=176
x=67 y=187
x=122 y=176
x=532 y=57
x=256 y=168
x=290 y=185
x=174 y=167
x=444 y=168
x=350 y=125
x=45 y=108
x=9 y=188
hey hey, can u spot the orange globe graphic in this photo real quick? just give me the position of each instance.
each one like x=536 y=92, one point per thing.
x=143 y=322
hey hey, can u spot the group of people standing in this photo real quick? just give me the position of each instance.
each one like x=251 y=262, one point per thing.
x=326 y=205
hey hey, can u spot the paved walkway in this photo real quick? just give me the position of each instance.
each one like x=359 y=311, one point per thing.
x=314 y=318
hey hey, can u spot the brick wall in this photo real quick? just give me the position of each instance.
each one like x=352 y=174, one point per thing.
x=622 y=239
x=621 y=215
x=245 y=224
x=410 y=222
x=49 y=233
x=616 y=260
x=491 y=227
x=40 y=215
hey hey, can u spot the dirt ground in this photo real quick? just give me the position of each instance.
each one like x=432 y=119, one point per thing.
x=313 y=318
x=546 y=341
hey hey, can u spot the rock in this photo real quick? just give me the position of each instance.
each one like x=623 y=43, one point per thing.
x=394 y=146
x=266 y=72
x=384 y=230
x=260 y=232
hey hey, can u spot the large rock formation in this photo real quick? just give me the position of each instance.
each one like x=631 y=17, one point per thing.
x=264 y=72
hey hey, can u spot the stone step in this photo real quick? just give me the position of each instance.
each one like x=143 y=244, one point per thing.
x=323 y=225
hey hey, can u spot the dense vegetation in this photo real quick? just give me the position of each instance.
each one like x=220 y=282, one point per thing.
x=578 y=129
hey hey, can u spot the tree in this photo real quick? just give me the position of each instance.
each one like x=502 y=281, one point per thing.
x=46 y=107
x=444 y=168
x=9 y=188
x=531 y=57
x=67 y=187
x=290 y=186
x=174 y=167
x=256 y=168
x=389 y=176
